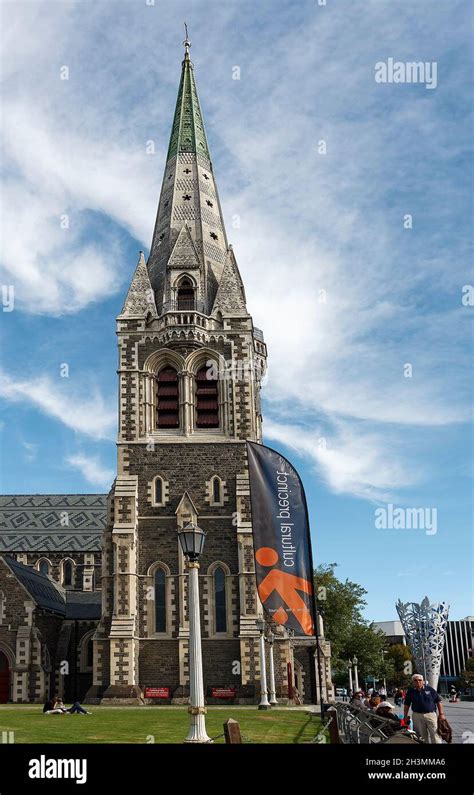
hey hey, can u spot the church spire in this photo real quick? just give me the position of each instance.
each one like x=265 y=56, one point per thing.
x=188 y=199
x=187 y=133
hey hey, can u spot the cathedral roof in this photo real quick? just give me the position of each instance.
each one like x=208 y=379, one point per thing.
x=52 y=522
x=43 y=589
x=49 y=595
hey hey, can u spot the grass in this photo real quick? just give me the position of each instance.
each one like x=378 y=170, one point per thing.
x=154 y=724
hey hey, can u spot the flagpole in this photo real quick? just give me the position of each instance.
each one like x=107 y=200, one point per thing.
x=315 y=608
x=316 y=628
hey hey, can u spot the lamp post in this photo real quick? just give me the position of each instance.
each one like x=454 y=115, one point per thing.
x=349 y=663
x=356 y=678
x=191 y=538
x=384 y=652
x=273 y=698
x=264 y=702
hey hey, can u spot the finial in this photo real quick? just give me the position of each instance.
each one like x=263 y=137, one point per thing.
x=186 y=42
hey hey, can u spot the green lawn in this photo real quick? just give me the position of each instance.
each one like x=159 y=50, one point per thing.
x=156 y=724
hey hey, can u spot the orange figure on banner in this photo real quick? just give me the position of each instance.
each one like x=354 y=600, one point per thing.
x=287 y=585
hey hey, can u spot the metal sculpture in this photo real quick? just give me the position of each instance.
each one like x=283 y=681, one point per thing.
x=424 y=625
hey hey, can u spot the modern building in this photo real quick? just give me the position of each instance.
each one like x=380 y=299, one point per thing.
x=393 y=631
x=458 y=646
x=190 y=368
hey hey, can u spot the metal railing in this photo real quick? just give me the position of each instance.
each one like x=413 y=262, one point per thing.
x=184 y=305
x=357 y=726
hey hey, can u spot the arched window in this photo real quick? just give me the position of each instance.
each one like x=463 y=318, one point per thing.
x=67 y=573
x=158 y=495
x=207 y=405
x=185 y=295
x=216 y=490
x=160 y=600
x=43 y=566
x=167 y=403
x=220 y=600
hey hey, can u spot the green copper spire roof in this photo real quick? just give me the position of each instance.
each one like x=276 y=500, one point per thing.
x=187 y=134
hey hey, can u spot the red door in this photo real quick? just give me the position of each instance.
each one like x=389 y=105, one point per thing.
x=4 y=678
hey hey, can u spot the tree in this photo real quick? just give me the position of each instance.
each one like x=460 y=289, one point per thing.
x=466 y=677
x=400 y=656
x=340 y=605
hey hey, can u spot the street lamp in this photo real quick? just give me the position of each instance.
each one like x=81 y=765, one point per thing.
x=191 y=538
x=273 y=698
x=356 y=678
x=349 y=663
x=264 y=702
x=384 y=652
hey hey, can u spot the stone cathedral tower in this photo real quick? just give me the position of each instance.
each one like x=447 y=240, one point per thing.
x=190 y=366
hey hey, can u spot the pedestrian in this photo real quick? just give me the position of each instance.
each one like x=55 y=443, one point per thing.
x=357 y=699
x=424 y=702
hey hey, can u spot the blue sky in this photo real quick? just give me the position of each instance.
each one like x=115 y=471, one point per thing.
x=345 y=294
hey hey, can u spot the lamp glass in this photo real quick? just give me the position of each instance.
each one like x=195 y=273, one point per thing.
x=355 y=660
x=260 y=624
x=191 y=538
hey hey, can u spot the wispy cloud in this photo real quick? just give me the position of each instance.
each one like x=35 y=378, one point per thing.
x=92 y=470
x=345 y=295
x=31 y=450
x=90 y=415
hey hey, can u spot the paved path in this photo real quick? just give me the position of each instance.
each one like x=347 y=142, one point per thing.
x=461 y=719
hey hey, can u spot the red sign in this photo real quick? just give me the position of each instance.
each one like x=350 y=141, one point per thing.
x=157 y=692
x=223 y=692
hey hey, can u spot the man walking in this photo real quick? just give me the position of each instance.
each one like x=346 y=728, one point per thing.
x=424 y=701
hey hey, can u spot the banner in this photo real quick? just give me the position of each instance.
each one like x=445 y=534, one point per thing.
x=281 y=538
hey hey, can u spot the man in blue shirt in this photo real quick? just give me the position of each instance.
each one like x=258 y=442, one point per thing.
x=424 y=701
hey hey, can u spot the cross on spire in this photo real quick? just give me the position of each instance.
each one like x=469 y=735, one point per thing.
x=186 y=42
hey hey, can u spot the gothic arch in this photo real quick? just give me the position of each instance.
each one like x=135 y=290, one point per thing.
x=209 y=358
x=183 y=277
x=83 y=652
x=44 y=559
x=9 y=654
x=201 y=356
x=159 y=359
x=62 y=567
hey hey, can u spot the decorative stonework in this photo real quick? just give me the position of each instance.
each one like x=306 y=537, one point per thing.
x=424 y=625
x=140 y=298
x=230 y=296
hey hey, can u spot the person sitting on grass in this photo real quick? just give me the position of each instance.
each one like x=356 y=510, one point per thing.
x=76 y=708
x=57 y=707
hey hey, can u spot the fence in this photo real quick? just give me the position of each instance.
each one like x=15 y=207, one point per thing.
x=360 y=727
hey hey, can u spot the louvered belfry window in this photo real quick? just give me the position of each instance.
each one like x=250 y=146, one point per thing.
x=207 y=405
x=186 y=295
x=167 y=398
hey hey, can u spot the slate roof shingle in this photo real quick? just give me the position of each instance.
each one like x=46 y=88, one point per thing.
x=52 y=522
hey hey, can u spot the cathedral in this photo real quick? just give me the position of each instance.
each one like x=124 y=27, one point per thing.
x=190 y=368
